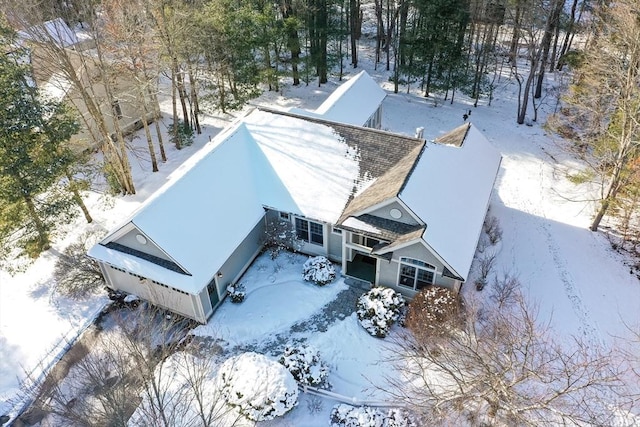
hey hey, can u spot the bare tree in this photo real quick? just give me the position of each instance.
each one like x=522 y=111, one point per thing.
x=602 y=107
x=91 y=77
x=504 y=367
x=134 y=369
x=130 y=41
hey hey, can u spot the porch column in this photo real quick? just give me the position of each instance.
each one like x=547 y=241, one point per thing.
x=344 y=251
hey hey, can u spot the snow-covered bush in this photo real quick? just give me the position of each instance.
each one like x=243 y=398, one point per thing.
x=236 y=293
x=305 y=365
x=343 y=415
x=378 y=309
x=259 y=387
x=432 y=310
x=319 y=270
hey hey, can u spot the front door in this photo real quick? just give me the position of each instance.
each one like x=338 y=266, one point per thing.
x=213 y=293
x=362 y=267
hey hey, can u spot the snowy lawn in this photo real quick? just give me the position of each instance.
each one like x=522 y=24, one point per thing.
x=280 y=308
x=579 y=282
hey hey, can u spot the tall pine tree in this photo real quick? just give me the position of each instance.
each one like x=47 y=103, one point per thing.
x=34 y=157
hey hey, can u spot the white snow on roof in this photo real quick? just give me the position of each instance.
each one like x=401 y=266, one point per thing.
x=352 y=103
x=56 y=30
x=201 y=216
x=312 y=163
x=360 y=225
x=449 y=189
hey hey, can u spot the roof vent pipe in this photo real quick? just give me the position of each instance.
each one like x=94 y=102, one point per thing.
x=419 y=132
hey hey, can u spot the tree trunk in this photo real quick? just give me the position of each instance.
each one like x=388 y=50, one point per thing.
x=77 y=198
x=552 y=23
x=121 y=149
x=147 y=133
x=322 y=30
x=194 y=100
x=354 y=27
x=565 y=43
x=174 y=107
x=41 y=229
x=182 y=95
x=515 y=37
x=293 y=41
x=379 y=31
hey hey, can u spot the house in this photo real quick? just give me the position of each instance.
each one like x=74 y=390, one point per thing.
x=122 y=106
x=394 y=210
x=356 y=102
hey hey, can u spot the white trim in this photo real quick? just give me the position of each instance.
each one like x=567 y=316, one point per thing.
x=309 y=222
x=427 y=247
x=345 y=251
x=284 y=216
x=197 y=313
x=357 y=247
x=131 y=226
x=433 y=270
x=118 y=233
x=413 y=215
x=387 y=202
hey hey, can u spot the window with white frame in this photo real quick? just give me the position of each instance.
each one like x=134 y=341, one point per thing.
x=361 y=240
x=284 y=215
x=309 y=231
x=415 y=274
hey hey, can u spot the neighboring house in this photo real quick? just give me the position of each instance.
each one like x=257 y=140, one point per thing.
x=356 y=102
x=123 y=106
x=394 y=210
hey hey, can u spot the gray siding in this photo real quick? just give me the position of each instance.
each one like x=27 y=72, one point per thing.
x=335 y=245
x=205 y=302
x=384 y=212
x=241 y=258
x=388 y=275
x=129 y=240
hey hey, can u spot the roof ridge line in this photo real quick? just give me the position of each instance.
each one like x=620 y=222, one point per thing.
x=331 y=122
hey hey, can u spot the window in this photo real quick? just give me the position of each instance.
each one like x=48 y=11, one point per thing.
x=284 y=215
x=415 y=274
x=361 y=240
x=310 y=231
x=117 y=110
x=336 y=230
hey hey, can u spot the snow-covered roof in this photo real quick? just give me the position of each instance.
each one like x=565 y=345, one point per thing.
x=449 y=189
x=353 y=102
x=56 y=30
x=309 y=161
x=311 y=168
x=201 y=215
x=266 y=160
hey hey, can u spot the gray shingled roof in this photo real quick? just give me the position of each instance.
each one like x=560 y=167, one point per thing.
x=386 y=186
x=389 y=229
x=384 y=156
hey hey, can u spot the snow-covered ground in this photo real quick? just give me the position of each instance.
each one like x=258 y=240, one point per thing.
x=579 y=282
